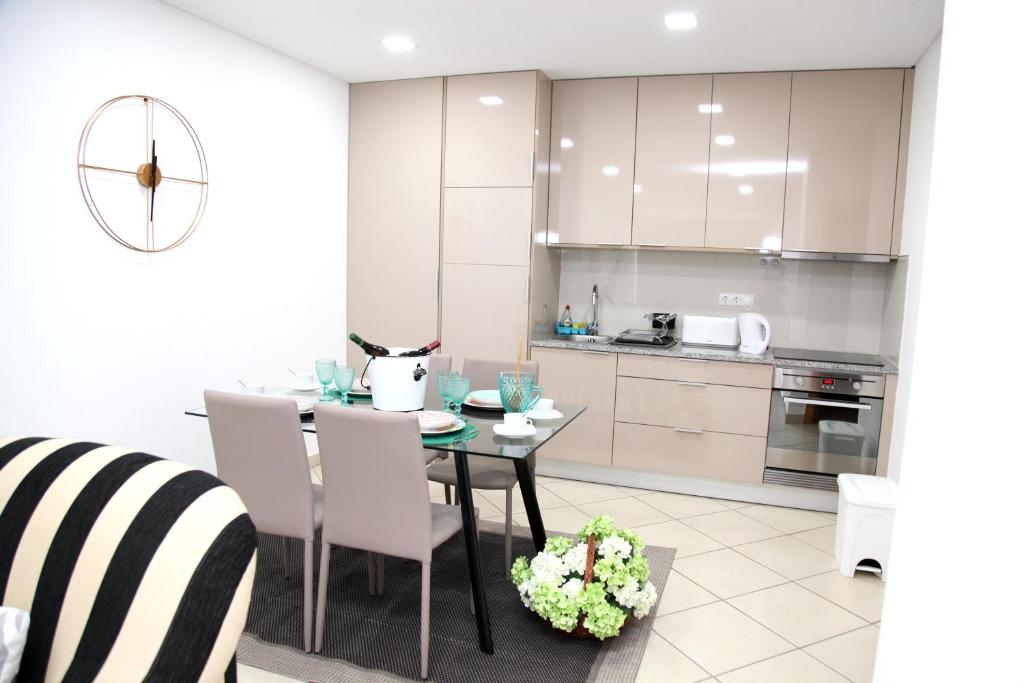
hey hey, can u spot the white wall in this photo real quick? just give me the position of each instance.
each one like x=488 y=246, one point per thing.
x=915 y=219
x=100 y=343
x=955 y=595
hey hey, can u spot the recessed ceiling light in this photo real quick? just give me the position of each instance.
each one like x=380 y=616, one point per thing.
x=566 y=143
x=746 y=189
x=680 y=21
x=398 y=43
x=491 y=100
x=610 y=170
x=710 y=108
x=725 y=140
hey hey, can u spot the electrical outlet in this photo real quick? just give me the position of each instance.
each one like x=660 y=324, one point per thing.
x=742 y=300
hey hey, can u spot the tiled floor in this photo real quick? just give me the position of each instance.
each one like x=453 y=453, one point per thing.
x=753 y=595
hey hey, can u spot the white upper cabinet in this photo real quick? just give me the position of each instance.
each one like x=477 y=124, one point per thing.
x=673 y=126
x=490 y=131
x=843 y=147
x=593 y=129
x=747 y=184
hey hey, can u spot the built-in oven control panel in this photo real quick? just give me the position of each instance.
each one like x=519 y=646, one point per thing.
x=829 y=382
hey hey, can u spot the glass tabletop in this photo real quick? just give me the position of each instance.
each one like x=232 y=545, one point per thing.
x=486 y=442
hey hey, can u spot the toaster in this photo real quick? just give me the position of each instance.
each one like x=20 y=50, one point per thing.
x=711 y=330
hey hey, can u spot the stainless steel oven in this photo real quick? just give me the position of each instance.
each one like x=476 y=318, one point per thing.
x=822 y=423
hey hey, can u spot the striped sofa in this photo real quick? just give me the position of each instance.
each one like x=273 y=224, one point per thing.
x=132 y=567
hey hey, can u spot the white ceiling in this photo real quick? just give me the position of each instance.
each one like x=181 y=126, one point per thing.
x=580 y=38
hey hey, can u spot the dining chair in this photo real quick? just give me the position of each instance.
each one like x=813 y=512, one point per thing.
x=377 y=499
x=260 y=453
x=486 y=474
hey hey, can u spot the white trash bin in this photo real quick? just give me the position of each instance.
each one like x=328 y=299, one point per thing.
x=867 y=507
x=398 y=384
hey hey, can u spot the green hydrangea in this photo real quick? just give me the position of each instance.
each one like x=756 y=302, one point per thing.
x=612 y=571
x=555 y=606
x=633 y=538
x=638 y=568
x=602 y=618
x=520 y=570
x=559 y=545
x=599 y=526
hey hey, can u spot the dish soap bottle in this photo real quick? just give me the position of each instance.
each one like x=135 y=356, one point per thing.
x=566 y=320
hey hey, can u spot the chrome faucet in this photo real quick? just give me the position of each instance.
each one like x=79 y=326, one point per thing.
x=592 y=325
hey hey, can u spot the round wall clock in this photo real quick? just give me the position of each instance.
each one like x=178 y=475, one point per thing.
x=142 y=172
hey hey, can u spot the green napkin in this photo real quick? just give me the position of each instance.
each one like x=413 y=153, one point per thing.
x=465 y=434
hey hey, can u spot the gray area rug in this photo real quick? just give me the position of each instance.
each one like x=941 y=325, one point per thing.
x=376 y=638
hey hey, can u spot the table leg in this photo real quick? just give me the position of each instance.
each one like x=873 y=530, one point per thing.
x=530 y=501
x=483 y=619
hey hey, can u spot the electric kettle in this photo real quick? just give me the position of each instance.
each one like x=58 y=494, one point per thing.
x=755 y=333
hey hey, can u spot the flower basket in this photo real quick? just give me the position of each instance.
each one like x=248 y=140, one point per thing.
x=589 y=587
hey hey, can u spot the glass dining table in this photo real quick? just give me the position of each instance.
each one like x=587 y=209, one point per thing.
x=486 y=443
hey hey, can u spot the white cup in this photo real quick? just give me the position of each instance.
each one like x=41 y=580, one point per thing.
x=304 y=378
x=253 y=389
x=517 y=421
x=544 y=406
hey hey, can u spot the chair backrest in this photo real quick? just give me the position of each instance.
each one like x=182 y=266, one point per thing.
x=131 y=567
x=375 y=483
x=260 y=452
x=483 y=374
x=438 y=364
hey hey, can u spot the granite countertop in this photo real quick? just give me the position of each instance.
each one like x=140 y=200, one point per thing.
x=552 y=341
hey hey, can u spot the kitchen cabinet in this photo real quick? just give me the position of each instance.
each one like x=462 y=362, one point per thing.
x=484 y=309
x=756 y=375
x=394 y=151
x=698 y=454
x=593 y=130
x=843 y=150
x=488 y=225
x=896 y=248
x=747 y=180
x=585 y=378
x=670 y=191
x=490 y=132
x=693 y=405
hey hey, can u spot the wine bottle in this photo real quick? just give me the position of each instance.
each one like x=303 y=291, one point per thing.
x=370 y=349
x=423 y=350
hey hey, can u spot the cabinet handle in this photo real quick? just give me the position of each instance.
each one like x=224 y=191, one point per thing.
x=598 y=353
x=694 y=360
x=700 y=385
x=651 y=244
x=533 y=165
x=611 y=244
x=687 y=430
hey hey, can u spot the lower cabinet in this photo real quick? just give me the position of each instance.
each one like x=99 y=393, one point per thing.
x=694 y=405
x=585 y=378
x=713 y=455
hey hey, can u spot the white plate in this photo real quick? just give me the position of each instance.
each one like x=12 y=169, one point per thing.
x=484 y=398
x=433 y=420
x=357 y=390
x=550 y=415
x=304 y=387
x=459 y=425
x=502 y=430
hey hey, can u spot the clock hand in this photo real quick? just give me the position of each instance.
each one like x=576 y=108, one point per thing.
x=152 y=183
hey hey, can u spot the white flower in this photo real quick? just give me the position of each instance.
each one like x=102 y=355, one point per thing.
x=615 y=546
x=645 y=601
x=576 y=559
x=572 y=587
x=627 y=595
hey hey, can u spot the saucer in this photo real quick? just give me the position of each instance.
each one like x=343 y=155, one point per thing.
x=501 y=430
x=304 y=387
x=549 y=415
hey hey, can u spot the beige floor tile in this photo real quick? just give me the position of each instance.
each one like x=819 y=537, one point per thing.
x=673 y=534
x=862 y=594
x=792 y=667
x=680 y=593
x=788 y=520
x=545 y=499
x=250 y=674
x=662 y=662
x=726 y=573
x=851 y=654
x=488 y=510
x=791 y=558
x=733 y=504
x=436 y=491
x=797 y=614
x=731 y=527
x=677 y=505
x=628 y=512
x=824 y=539
x=568 y=520
x=579 y=492
x=719 y=638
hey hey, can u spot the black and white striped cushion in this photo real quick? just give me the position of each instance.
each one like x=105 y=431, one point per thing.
x=132 y=567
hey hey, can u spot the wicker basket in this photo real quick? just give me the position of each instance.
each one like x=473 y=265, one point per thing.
x=580 y=631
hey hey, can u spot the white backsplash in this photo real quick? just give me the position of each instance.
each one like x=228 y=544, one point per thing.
x=838 y=306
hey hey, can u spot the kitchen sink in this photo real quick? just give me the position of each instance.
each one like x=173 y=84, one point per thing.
x=585 y=338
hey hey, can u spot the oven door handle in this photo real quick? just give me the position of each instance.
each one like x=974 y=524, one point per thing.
x=830 y=404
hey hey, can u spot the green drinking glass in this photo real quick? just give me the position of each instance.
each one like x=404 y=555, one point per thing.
x=458 y=390
x=518 y=392
x=443 y=383
x=343 y=378
x=325 y=374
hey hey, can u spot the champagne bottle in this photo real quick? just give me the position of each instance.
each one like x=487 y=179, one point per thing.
x=423 y=350
x=370 y=349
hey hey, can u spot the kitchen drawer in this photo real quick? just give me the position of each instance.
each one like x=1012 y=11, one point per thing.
x=696 y=370
x=694 y=405
x=708 y=454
